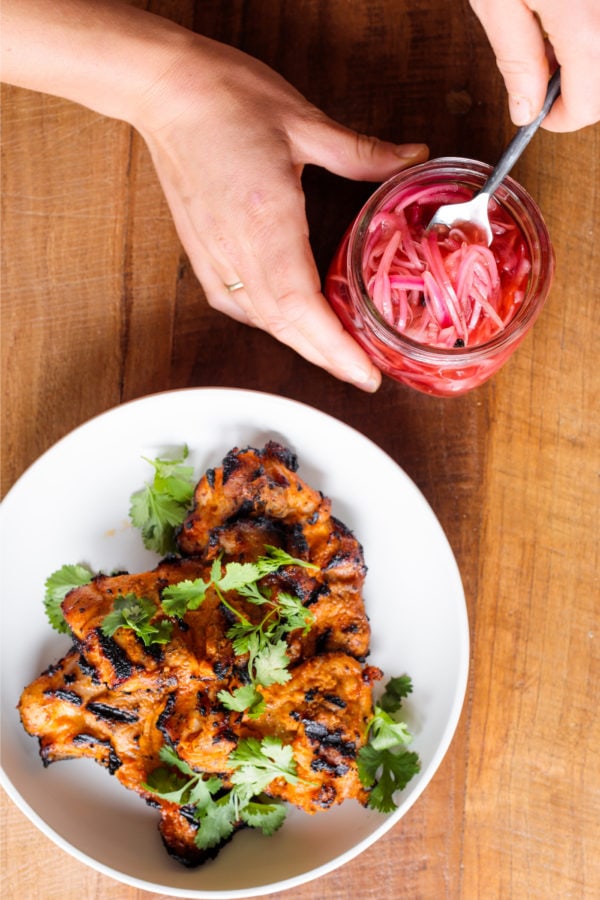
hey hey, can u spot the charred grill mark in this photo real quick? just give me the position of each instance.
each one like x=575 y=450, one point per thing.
x=154 y=650
x=297 y=540
x=297 y=589
x=87 y=669
x=115 y=655
x=224 y=733
x=342 y=528
x=283 y=454
x=278 y=479
x=210 y=477
x=322 y=765
x=222 y=667
x=322 y=641
x=341 y=558
x=230 y=464
x=54 y=668
x=243 y=512
x=112 y=713
x=188 y=813
x=318 y=733
x=322 y=590
x=335 y=700
x=161 y=722
x=327 y=796
x=242 y=673
x=45 y=751
x=202 y=703
x=67 y=696
x=112 y=760
x=50 y=671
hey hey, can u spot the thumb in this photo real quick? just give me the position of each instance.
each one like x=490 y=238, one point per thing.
x=347 y=153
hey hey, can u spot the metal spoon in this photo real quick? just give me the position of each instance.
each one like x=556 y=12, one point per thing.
x=476 y=210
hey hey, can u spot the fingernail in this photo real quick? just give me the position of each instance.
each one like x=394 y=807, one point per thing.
x=520 y=109
x=412 y=151
x=368 y=381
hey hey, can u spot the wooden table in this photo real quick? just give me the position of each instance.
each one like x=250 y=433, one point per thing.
x=100 y=306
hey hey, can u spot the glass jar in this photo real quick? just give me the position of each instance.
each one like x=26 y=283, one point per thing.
x=442 y=371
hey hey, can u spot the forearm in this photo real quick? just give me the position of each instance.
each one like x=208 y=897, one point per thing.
x=106 y=55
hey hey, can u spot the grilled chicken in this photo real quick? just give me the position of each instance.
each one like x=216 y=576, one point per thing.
x=117 y=701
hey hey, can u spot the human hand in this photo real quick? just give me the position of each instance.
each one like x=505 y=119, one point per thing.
x=527 y=36
x=229 y=139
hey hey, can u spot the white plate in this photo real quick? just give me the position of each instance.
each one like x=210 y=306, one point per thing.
x=71 y=506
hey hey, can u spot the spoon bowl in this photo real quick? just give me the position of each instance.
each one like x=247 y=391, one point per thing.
x=475 y=211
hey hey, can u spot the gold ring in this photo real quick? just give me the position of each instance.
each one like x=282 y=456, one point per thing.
x=236 y=286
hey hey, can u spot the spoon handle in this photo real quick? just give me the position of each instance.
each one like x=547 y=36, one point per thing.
x=521 y=139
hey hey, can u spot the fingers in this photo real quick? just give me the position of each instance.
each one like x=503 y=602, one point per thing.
x=579 y=102
x=518 y=43
x=281 y=293
x=522 y=41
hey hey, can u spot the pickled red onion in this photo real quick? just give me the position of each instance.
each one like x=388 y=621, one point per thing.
x=446 y=287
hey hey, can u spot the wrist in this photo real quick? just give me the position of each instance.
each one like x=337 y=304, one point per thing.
x=107 y=56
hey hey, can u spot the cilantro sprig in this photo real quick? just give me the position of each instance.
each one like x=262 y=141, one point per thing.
x=137 y=613
x=57 y=586
x=263 y=641
x=219 y=810
x=385 y=765
x=161 y=505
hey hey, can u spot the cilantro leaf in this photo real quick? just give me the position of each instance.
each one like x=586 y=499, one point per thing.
x=395 y=691
x=161 y=506
x=386 y=732
x=57 y=586
x=294 y=614
x=245 y=638
x=217 y=820
x=238 y=575
x=136 y=613
x=169 y=785
x=266 y=816
x=257 y=763
x=177 y=598
x=243 y=698
x=169 y=756
x=281 y=557
x=271 y=664
x=183 y=786
x=386 y=772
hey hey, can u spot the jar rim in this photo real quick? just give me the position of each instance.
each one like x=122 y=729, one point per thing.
x=516 y=202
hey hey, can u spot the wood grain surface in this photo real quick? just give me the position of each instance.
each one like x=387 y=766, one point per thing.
x=99 y=305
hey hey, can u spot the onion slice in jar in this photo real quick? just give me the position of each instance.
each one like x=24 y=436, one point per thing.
x=445 y=287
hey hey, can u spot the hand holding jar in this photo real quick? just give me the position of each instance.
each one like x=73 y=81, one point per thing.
x=229 y=139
